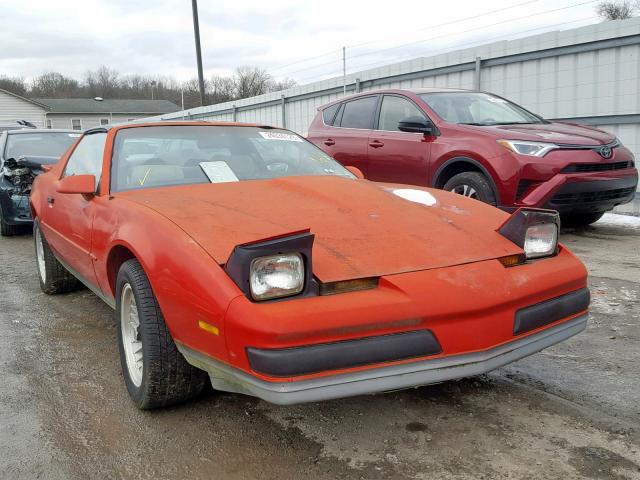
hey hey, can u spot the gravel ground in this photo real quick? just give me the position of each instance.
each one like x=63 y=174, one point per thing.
x=571 y=411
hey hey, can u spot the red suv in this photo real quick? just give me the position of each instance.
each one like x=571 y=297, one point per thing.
x=479 y=145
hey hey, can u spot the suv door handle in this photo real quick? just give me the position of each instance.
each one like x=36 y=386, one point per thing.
x=329 y=141
x=376 y=144
x=50 y=200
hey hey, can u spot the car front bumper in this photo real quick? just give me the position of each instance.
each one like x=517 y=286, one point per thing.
x=384 y=378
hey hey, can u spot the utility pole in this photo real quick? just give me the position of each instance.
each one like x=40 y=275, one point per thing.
x=196 y=31
x=344 y=71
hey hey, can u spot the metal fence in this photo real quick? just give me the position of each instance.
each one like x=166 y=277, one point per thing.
x=588 y=75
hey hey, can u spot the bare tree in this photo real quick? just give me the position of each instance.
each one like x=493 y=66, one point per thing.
x=102 y=82
x=54 y=85
x=251 y=81
x=221 y=89
x=283 y=84
x=14 y=85
x=617 y=9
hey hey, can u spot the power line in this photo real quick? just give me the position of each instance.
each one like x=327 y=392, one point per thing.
x=314 y=67
x=279 y=67
x=457 y=47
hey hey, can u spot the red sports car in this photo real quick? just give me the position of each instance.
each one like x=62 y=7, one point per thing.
x=245 y=255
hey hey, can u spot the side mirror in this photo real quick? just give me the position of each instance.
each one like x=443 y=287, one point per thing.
x=82 y=184
x=356 y=171
x=416 y=125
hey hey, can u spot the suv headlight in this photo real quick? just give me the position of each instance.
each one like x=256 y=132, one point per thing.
x=533 y=230
x=276 y=276
x=533 y=149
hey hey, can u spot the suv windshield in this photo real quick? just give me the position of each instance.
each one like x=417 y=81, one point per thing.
x=47 y=144
x=475 y=108
x=146 y=157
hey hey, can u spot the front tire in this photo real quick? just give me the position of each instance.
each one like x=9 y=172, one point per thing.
x=54 y=278
x=155 y=372
x=473 y=185
x=580 y=219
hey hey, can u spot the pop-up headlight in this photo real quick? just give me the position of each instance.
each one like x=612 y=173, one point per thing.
x=534 y=230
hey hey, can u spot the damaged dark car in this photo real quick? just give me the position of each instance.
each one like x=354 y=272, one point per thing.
x=25 y=154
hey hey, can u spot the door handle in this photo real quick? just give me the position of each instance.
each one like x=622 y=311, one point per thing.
x=50 y=200
x=376 y=144
x=328 y=142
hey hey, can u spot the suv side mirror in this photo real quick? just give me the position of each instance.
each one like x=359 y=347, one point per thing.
x=416 y=125
x=82 y=184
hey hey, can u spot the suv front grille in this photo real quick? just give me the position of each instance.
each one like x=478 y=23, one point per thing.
x=596 y=167
x=588 y=197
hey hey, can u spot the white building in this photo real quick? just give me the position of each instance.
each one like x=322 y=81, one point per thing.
x=76 y=113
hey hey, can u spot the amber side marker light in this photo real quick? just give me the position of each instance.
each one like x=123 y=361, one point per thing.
x=207 y=327
x=513 y=260
x=344 y=286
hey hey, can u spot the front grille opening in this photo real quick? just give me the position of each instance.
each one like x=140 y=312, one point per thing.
x=587 y=197
x=596 y=167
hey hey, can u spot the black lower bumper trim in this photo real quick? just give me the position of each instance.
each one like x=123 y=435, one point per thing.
x=550 y=311
x=593 y=196
x=349 y=353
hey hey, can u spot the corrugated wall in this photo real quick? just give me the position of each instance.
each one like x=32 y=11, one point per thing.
x=588 y=75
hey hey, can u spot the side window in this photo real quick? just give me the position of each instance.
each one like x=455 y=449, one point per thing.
x=329 y=113
x=394 y=109
x=359 y=113
x=86 y=159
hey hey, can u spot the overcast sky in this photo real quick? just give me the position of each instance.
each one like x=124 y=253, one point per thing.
x=156 y=36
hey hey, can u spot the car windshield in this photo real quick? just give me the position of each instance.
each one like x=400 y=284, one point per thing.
x=146 y=157
x=46 y=144
x=475 y=108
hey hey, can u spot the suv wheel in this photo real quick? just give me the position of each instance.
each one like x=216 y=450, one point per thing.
x=473 y=185
x=580 y=219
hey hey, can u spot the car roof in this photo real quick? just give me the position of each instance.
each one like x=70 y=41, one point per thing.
x=177 y=123
x=41 y=130
x=416 y=91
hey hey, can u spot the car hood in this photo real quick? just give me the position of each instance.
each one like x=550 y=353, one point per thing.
x=362 y=229
x=554 y=132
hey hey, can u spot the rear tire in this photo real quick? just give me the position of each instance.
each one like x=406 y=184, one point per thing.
x=155 y=372
x=472 y=185
x=580 y=219
x=54 y=278
x=7 y=230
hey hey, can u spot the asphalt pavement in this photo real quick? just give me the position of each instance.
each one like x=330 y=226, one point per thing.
x=571 y=411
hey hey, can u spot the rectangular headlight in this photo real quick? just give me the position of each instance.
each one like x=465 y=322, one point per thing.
x=276 y=276
x=534 y=230
x=541 y=240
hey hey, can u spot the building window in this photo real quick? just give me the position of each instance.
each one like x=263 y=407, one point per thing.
x=76 y=124
x=104 y=121
x=48 y=123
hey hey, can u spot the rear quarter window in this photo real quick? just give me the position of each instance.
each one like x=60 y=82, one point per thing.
x=329 y=113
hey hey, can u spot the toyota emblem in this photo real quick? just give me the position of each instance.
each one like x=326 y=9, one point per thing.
x=606 y=152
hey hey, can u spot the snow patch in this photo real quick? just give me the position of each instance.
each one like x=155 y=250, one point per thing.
x=614 y=219
x=417 y=196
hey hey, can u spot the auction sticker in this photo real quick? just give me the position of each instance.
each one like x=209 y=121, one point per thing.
x=218 y=172
x=287 y=137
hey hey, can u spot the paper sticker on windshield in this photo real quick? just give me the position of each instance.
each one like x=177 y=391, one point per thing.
x=74 y=135
x=287 y=137
x=218 y=172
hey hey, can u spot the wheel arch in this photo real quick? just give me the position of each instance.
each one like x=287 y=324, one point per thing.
x=118 y=254
x=458 y=165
